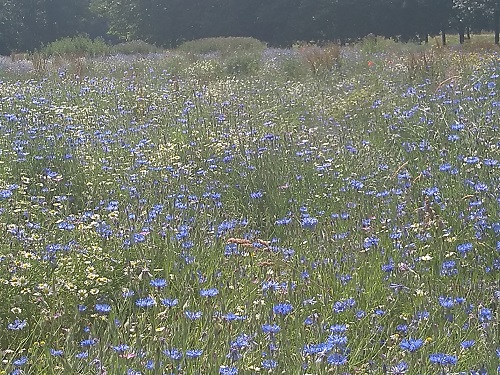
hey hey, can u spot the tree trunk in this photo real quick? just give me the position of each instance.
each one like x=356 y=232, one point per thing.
x=426 y=38
x=461 y=32
x=443 y=38
x=461 y=35
x=496 y=19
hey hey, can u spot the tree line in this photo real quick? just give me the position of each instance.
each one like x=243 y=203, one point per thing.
x=25 y=25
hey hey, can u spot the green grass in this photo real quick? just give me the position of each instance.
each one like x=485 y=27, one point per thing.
x=363 y=194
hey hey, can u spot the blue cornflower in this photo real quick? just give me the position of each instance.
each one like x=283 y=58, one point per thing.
x=242 y=341
x=360 y=314
x=271 y=328
x=256 y=195
x=128 y=293
x=411 y=345
x=442 y=359
x=212 y=292
x=341 y=306
x=232 y=317
x=145 y=302
x=102 y=308
x=309 y=222
x=337 y=340
x=379 y=312
x=169 y=302
x=150 y=364
x=88 y=342
x=402 y=328
x=17 y=325
x=337 y=359
x=174 y=353
x=21 y=361
x=194 y=353
x=370 y=242
x=193 y=315
x=269 y=363
x=399 y=369
x=55 y=352
x=120 y=348
x=338 y=328
x=448 y=268
x=82 y=355
x=283 y=221
x=467 y=344
x=282 y=308
x=481 y=187
x=158 y=283
x=389 y=267
x=485 y=315
x=112 y=206
x=227 y=370
x=471 y=159
x=464 y=248
x=64 y=225
x=4 y=194
x=446 y=302
x=309 y=320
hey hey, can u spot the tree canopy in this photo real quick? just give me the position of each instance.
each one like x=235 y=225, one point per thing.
x=27 y=24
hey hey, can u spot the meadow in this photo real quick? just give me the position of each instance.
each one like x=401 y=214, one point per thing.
x=316 y=210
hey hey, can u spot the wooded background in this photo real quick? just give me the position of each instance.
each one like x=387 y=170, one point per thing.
x=26 y=25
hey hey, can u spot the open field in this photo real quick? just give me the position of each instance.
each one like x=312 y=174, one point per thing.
x=306 y=211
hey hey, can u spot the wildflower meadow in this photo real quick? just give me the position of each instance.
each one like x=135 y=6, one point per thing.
x=312 y=210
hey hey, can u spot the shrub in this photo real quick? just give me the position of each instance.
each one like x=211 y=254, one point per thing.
x=369 y=43
x=321 y=59
x=79 y=46
x=245 y=63
x=294 y=68
x=206 y=70
x=135 y=47
x=222 y=46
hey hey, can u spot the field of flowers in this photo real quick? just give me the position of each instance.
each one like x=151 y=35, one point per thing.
x=181 y=214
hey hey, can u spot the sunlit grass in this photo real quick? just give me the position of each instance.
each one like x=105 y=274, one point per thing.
x=170 y=215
